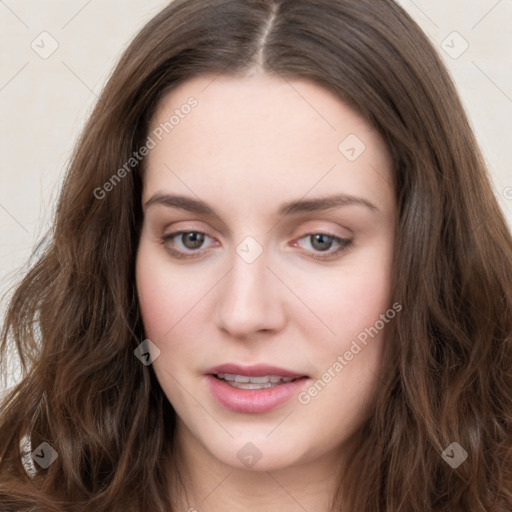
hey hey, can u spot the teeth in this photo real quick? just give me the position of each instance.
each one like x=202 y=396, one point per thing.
x=246 y=382
x=250 y=385
x=258 y=380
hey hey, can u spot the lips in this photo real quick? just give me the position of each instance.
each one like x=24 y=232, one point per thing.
x=253 y=389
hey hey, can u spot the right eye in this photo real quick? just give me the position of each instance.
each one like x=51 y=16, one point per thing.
x=184 y=244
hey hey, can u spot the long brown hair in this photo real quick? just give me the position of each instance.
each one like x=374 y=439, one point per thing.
x=447 y=374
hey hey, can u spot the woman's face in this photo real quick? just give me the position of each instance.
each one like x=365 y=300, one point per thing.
x=265 y=252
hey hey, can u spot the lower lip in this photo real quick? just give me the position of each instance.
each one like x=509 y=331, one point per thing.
x=253 y=400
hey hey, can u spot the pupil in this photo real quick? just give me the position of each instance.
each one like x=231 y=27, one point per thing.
x=324 y=242
x=192 y=240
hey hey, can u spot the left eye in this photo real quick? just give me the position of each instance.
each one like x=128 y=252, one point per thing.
x=321 y=242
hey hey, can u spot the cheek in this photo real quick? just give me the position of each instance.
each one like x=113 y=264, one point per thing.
x=166 y=300
x=348 y=362
x=348 y=299
x=154 y=299
x=167 y=295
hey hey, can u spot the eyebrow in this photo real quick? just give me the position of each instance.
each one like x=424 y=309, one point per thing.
x=289 y=208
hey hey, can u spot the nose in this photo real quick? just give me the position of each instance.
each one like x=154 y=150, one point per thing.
x=249 y=300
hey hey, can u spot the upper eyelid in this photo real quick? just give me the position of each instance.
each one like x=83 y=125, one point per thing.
x=308 y=231
x=285 y=221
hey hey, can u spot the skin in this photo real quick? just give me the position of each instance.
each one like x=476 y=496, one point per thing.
x=250 y=145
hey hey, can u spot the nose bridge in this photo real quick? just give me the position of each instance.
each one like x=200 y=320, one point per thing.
x=247 y=303
x=247 y=281
x=250 y=268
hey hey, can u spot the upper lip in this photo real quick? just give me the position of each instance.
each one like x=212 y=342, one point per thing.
x=257 y=370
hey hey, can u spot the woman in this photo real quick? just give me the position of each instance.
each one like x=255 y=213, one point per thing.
x=278 y=279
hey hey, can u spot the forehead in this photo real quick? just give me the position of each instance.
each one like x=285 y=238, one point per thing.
x=262 y=133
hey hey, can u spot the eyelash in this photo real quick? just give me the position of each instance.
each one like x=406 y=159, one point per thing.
x=344 y=244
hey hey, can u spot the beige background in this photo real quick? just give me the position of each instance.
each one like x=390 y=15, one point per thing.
x=44 y=101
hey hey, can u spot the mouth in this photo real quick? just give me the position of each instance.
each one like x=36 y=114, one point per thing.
x=253 y=389
x=247 y=382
